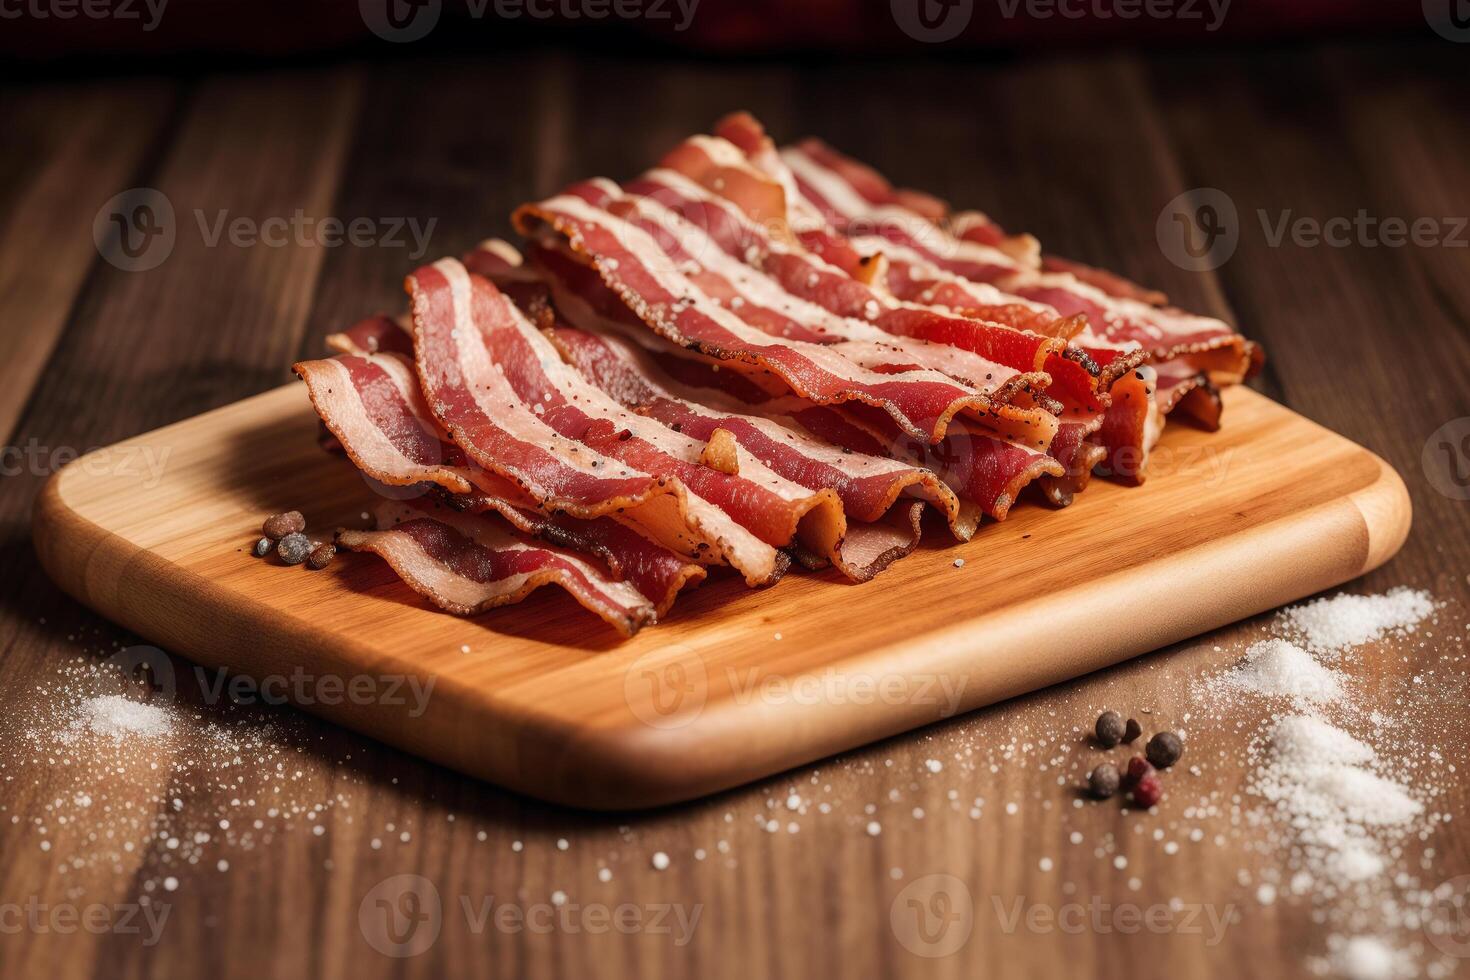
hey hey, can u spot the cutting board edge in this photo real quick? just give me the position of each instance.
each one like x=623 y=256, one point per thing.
x=1362 y=531
x=636 y=766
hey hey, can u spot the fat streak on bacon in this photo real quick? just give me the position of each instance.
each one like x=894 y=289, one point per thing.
x=373 y=406
x=983 y=471
x=466 y=564
x=910 y=248
x=1073 y=379
x=484 y=366
x=630 y=263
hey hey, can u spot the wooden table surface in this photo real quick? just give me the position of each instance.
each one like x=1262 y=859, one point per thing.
x=1084 y=150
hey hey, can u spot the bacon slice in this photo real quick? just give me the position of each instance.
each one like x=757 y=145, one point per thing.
x=869 y=486
x=632 y=265
x=1118 y=310
x=694 y=211
x=467 y=564
x=909 y=245
x=376 y=334
x=973 y=226
x=504 y=395
x=620 y=358
x=373 y=406
x=984 y=472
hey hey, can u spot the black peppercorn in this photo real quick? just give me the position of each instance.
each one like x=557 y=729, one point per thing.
x=1103 y=781
x=294 y=548
x=1109 y=729
x=1164 y=749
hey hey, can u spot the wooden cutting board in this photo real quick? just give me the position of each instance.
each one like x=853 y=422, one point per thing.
x=737 y=684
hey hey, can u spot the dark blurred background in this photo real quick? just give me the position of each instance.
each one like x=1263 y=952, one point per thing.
x=117 y=33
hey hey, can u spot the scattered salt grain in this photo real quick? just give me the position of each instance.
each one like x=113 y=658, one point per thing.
x=1365 y=958
x=660 y=861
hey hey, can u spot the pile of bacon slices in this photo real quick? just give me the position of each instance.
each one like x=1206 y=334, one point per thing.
x=743 y=357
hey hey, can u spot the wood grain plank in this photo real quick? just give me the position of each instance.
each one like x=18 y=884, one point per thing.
x=994 y=132
x=445 y=162
x=210 y=324
x=70 y=148
x=1295 y=297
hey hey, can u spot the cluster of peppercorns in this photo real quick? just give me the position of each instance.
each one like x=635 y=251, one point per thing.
x=284 y=535
x=1142 y=775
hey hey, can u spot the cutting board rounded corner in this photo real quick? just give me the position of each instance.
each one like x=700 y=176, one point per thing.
x=62 y=538
x=1387 y=512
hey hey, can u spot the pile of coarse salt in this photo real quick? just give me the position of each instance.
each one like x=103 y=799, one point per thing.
x=1336 y=809
x=1333 y=624
x=1276 y=668
x=119 y=717
x=1321 y=779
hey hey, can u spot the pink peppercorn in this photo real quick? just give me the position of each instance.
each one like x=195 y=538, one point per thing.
x=1148 y=792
